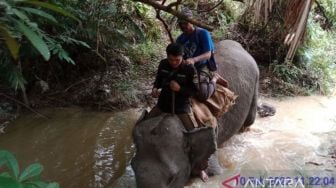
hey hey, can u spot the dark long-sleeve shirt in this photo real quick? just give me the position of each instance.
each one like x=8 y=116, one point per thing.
x=184 y=76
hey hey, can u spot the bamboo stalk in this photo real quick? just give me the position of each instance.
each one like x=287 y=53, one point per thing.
x=300 y=28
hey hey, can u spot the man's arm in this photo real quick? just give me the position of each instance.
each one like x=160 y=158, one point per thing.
x=158 y=78
x=191 y=88
x=158 y=82
x=202 y=57
x=207 y=47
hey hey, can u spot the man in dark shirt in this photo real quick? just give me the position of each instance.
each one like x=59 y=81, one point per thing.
x=176 y=81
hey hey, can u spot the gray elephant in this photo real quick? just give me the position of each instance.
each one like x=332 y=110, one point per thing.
x=166 y=154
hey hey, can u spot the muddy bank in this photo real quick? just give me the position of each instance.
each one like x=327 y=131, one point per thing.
x=115 y=85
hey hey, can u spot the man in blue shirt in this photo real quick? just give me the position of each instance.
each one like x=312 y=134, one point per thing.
x=198 y=49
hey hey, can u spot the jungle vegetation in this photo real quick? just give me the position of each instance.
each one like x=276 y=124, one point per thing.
x=89 y=50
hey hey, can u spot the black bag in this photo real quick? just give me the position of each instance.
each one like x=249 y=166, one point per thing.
x=212 y=65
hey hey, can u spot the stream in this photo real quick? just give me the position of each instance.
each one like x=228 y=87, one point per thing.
x=82 y=148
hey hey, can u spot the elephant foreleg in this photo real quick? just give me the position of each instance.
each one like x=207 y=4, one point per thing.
x=214 y=168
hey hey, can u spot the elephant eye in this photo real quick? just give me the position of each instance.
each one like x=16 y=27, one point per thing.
x=154 y=131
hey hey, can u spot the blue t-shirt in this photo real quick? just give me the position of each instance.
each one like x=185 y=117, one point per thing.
x=199 y=42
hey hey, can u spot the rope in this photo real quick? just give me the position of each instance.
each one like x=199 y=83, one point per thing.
x=173 y=102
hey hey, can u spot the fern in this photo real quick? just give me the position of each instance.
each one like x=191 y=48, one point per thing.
x=10 y=73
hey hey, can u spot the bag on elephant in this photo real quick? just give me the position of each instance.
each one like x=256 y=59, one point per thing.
x=214 y=107
x=222 y=99
x=203 y=115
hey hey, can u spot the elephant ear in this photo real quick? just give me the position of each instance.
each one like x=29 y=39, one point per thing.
x=201 y=144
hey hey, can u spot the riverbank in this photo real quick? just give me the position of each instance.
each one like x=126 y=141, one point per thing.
x=120 y=84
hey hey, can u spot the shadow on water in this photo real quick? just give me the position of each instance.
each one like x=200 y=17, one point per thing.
x=77 y=148
x=80 y=148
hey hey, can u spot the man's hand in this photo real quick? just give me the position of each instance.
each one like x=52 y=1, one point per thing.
x=155 y=92
x=174 y=85
x=189 y=61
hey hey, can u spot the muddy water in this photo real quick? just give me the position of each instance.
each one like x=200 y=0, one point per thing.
x=80 y=148
x=77 y=148
x=299 y=141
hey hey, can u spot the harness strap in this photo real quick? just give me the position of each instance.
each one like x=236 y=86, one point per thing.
x=173 y=103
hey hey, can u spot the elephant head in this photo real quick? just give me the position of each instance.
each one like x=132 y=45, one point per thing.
x=166 y=153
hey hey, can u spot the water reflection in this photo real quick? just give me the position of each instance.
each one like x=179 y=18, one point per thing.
x=114 y=148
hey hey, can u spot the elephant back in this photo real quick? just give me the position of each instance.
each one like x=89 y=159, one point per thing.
x=239 y=68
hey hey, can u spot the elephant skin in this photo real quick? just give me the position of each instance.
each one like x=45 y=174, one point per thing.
x=166 y=154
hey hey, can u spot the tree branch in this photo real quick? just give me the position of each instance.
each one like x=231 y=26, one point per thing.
x=175 y=13
x=212 y=8
x=168 y=29
x=174 y=4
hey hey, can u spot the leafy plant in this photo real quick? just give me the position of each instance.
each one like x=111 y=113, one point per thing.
x=318 y=55
x=25 y=33
x=108 y=24
x=145 y=52
x=287 y=72
x=16 y=23
x=11 y=74
x=29 y=178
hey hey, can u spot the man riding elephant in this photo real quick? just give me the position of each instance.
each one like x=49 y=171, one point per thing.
x=175 y=80
x=199 y=49
x=178 y=82
x=166 y=154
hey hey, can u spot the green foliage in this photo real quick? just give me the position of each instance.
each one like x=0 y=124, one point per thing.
x=222 y=17
x=23 y=27
x=223 y=29
x=318 y=55
x=148 y=51
x=10 y=73
x=17 y=22
x=287 y=72
x=330 y=10
x=107 y=24
x=126 y=88
x=293 y=79
x=30 y=177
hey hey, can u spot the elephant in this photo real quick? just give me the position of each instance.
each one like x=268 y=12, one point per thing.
x=166 y=153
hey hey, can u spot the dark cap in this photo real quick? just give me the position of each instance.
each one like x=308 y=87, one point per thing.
x=186 y=12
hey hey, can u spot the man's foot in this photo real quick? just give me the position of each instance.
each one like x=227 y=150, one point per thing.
x=204 y=176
